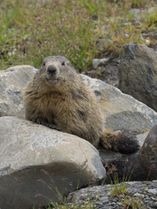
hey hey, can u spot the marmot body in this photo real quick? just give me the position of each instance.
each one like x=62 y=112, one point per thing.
x=58 y=98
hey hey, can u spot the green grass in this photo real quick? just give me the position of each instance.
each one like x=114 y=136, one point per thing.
x=133 y=203
x=119 y=189
x=30 y=31
x=128 y=201
x=151 y=19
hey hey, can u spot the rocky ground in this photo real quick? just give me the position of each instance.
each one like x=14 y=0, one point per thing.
x=139 y=195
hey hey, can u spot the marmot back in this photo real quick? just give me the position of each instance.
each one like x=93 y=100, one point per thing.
x=57 y=97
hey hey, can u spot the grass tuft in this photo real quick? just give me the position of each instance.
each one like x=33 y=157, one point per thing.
x=133 y=203
x=119 y=189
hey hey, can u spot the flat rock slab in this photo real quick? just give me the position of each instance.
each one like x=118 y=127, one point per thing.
x=141 y=195
x=39 y=165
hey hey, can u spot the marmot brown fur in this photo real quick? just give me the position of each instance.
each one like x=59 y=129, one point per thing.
x=58 y=97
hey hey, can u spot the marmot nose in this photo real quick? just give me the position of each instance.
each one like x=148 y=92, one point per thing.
x=51 y=69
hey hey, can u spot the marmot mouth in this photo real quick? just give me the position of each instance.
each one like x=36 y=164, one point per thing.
x=52 y=80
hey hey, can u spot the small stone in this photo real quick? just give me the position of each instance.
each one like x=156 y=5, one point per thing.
x=153 y=191
x=98 y=62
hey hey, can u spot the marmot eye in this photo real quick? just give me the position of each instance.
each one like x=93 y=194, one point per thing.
x=63 y=63
x=43 y=63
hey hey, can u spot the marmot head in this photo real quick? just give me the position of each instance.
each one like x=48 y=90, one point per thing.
x=56 y=70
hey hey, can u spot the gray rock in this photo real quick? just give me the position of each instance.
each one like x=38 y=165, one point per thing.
x=138 y=73
x=105 y=69
x=148 y=154
x=121 y=111
x=39 y=165
x=99 y=62
x=125 y=195
x=141 y=138
x=153 y=191
x=12 y=82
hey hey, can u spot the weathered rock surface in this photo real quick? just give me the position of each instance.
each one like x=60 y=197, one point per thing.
x=105 y=69
x=142 y=195
x=12 y=82
x=122 y=111
x=39 y=165
x=148 y=154
x=138 y=73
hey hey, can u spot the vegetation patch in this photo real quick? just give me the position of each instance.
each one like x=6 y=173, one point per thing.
x=133 y=203
x=79 y=30
x=119 y=189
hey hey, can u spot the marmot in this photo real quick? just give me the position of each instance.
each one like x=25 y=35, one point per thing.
x=58 y=97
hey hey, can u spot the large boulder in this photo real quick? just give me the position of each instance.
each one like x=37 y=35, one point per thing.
x=120 y=110
x=139 y=195
x=138 y=73
x=12 y=82
x=39 y=165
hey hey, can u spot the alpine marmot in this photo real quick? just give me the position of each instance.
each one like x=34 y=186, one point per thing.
x=58 y=97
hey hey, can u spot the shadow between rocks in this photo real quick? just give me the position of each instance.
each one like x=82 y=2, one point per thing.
x=141 y=166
